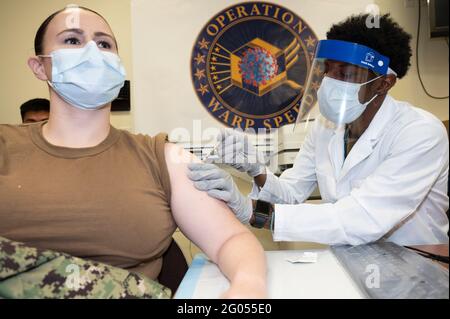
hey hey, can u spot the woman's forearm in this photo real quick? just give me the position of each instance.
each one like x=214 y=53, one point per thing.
x=242 y=260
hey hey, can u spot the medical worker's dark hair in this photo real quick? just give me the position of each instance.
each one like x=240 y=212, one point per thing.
x=40 y=34
x=388 y=39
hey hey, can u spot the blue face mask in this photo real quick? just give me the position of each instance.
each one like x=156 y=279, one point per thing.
x=86 y=78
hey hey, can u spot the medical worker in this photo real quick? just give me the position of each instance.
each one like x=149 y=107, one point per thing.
x=381 y=165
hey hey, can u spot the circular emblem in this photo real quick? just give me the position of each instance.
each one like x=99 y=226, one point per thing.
x=250 y=63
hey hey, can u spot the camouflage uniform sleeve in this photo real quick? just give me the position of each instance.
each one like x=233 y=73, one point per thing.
x=27 y=272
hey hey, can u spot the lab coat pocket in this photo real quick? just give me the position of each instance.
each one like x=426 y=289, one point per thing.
x=327 y=186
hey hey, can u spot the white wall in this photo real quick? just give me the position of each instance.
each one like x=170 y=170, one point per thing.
x=433 y=55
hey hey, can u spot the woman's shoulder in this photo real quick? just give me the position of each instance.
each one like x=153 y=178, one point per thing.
x=14 y=132
x=142 y=138
x=151 y=147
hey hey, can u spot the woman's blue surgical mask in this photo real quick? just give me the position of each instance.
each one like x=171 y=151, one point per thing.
x=87 y=77
x=339 y=100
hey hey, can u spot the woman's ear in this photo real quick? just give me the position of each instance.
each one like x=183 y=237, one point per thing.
x=388 y=82
x=38 y=68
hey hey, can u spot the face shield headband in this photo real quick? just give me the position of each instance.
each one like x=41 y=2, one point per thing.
x=355 y=54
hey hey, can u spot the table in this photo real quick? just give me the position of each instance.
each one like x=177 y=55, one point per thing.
x=324 y=279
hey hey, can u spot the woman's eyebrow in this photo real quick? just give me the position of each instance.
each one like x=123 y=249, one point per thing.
x=79 y=31
x=103 y=34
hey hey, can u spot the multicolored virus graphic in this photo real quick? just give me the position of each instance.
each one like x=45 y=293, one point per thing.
x=257 y=66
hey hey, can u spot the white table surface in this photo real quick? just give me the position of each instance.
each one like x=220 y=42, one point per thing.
x=324 y=279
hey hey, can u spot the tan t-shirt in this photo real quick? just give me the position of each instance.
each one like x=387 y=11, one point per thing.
x=108 y=203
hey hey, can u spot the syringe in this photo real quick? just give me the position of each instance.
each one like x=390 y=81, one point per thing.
x=212 y=155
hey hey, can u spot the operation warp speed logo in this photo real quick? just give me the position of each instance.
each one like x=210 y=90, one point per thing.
x=250 y=63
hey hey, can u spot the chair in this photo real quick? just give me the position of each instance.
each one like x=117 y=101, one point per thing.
x=174 y=267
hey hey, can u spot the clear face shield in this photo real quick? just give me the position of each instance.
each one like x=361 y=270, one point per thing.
x=342 y=82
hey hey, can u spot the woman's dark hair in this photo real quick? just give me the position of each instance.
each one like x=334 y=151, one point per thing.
x=39 y=38
x=388 y=38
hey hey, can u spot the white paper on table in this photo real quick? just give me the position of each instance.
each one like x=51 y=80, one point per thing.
x=305 y=257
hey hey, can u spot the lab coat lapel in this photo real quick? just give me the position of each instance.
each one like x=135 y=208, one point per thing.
x=367 y=142
x=336 y=150
x=360 y=151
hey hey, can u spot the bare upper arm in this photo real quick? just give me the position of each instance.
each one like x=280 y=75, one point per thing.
x=206 y=221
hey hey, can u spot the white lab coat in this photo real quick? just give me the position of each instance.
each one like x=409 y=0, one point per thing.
x=392 y=185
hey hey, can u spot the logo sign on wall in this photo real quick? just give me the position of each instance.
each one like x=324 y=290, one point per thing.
x=249 y=65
